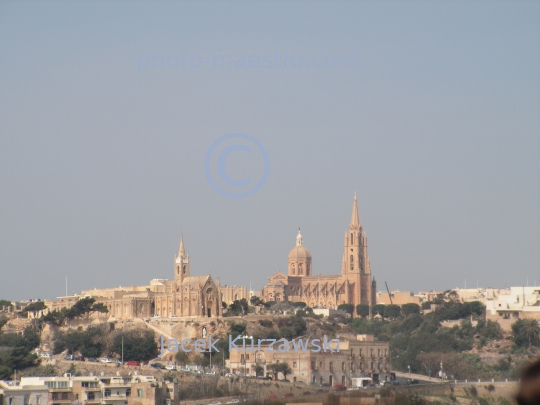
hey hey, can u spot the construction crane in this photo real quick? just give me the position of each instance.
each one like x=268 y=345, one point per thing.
x=389 y=294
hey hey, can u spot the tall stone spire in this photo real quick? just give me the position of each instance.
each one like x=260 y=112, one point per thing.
x=181 y=250
x=354 y=218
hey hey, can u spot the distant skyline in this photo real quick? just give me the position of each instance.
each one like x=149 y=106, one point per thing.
x=435 y=126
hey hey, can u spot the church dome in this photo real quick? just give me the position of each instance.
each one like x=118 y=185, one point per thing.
x=299 y=252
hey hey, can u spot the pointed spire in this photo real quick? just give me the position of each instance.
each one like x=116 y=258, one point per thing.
x=181 y=251
x=354 y=218
x=299 y=241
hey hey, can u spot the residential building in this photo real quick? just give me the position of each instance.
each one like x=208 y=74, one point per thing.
x=358 y=356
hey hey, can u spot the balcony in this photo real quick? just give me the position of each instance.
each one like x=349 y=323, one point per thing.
x=61 y=398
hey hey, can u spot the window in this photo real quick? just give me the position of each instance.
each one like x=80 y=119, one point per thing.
x=25 y=400
x=64 y=395
x=247 y=356
x=38 y=400
x=139 y=392
x=360 y=353
x=331 y=366
x=320 y=364
x=378 y=352
x=90 y=396
x=107 y=393
x=294 y=364
x=10 y=402
x=128 y=392
x=352 y=239
x=343 y=366
x=55 y=396
x=312 y=367
x=352 y=262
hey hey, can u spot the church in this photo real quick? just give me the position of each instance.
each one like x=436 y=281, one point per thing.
x=183 y=296
x=354 y=285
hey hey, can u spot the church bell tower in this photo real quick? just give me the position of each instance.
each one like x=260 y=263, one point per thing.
x=181 y=264
x=355 y=267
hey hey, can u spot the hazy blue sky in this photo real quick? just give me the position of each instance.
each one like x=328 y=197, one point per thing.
x=102 y=148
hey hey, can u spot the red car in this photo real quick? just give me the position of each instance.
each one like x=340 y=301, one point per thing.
x=133 y=363
x=289 y=395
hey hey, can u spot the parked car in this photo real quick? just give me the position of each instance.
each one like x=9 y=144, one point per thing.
x=170 y=367
x=68 y=357
x=158 y=366
x=105 y=360
x=288 y=395
x=92 y=359
x=118 y=361
x=156 y=316
x=46 y=355
x=233 y=401
x=210 y=373
x=229 y=375
x=78 y=358
x=133 y=363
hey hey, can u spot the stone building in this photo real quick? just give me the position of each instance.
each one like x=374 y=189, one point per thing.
x=358 y=356
x=354 y=285
x=184 y=295
x=229 y=294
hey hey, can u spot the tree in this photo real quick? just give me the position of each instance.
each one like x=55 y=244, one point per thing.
x=362 y=310
x=392 y=311
x=181 y=357
x=56 y=318
x=426 y=305
x=348 y=308
x=138 y=345
x=85 y=306
x=274 y=369
x=530 y=330
x=256 y=301
x=411 y=308
x=34 y=307
x=379 y=309
x=5 y=303
x=238 y=307
x=284 y=369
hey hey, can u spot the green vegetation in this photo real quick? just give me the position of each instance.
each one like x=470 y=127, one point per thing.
x=238 y=307
x=281 y=367
x=421 y=342
x=5 y=303
x=82 y=308
x=18 y=356
x=526 y=333
x=348 y=308
x=34 y=306
x=139 y=345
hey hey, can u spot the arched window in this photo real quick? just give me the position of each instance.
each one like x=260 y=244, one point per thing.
x=293 y=271
x=352 y=262
x=352 y=239
x=300 y=270
x=184 y=269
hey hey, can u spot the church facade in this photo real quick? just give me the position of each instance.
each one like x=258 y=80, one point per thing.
x=354 y=285
x=183 y=296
